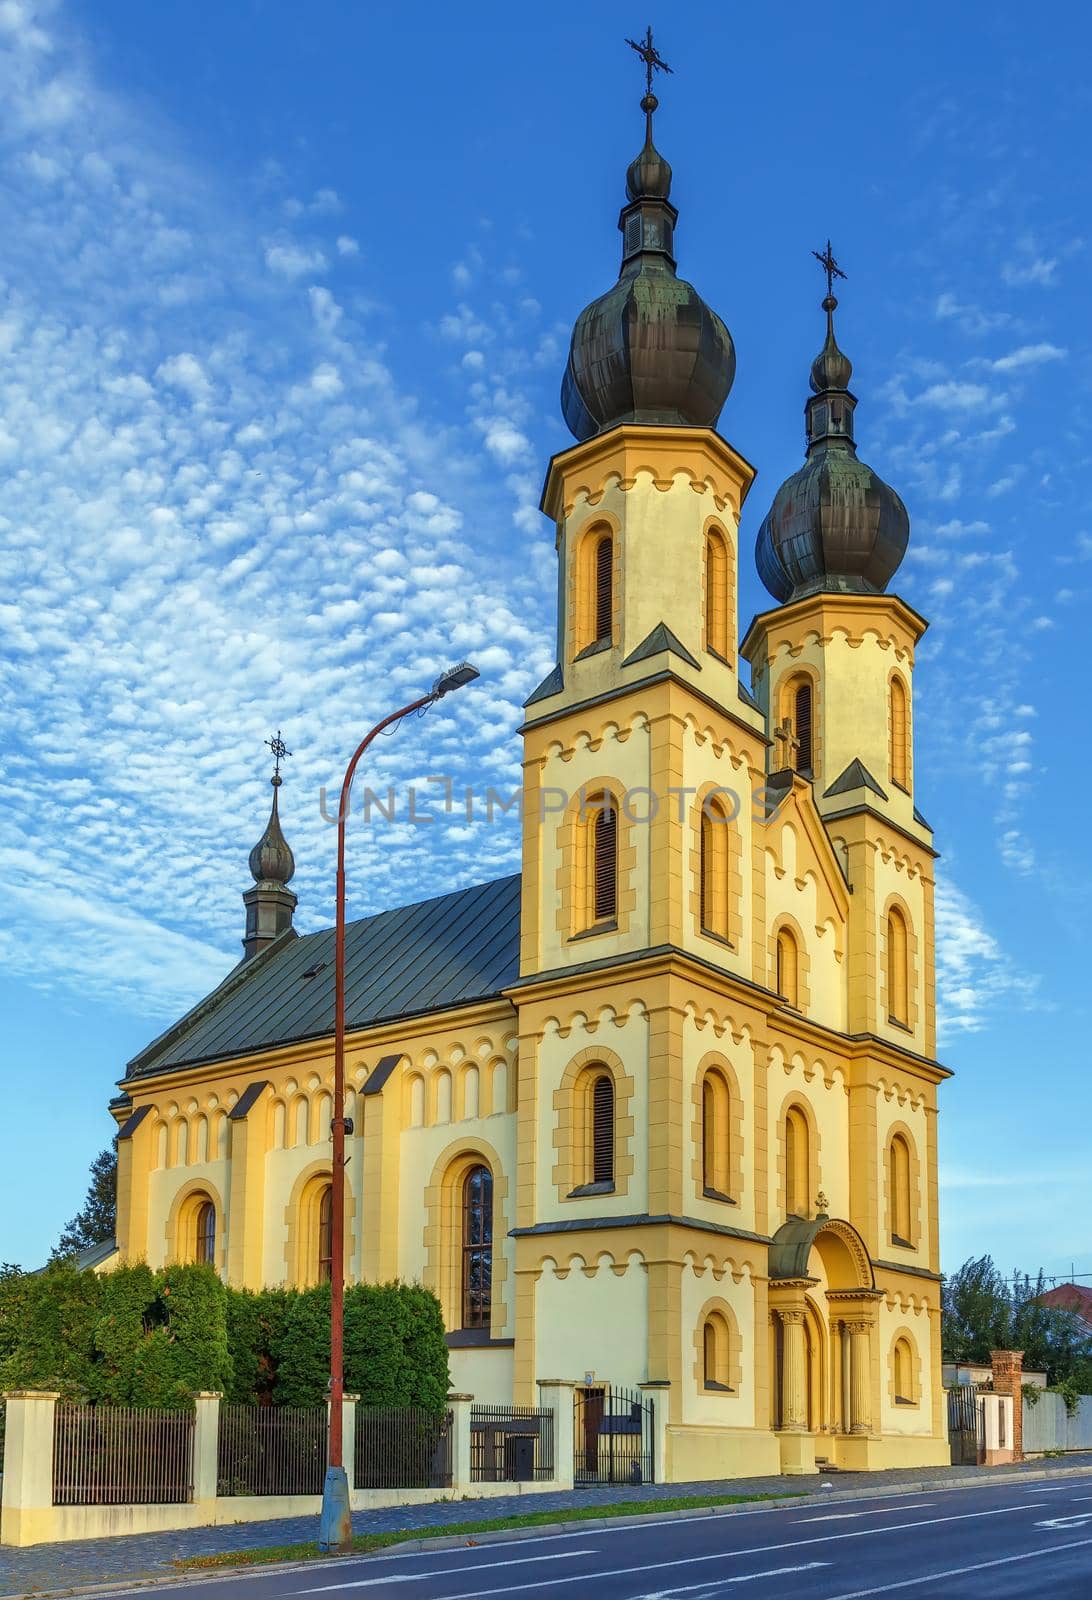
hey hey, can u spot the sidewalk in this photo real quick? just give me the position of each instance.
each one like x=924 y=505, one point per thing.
x=102 y=1561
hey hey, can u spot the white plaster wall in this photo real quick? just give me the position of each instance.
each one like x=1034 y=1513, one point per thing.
x=625 y=1036
x=591 y=1319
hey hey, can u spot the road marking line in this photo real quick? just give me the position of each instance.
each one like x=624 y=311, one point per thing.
x=958 y=1572
x=729 y=1555
x=880 y=1511
x=1046 y=1491
x=1077 y=1520
x=418 y=1577
x=745 y=1577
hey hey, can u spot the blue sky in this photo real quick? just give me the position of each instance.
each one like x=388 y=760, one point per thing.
x=285 y=295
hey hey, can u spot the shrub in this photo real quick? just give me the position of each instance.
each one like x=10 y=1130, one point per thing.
x=255 y=1324
x=302 y=1354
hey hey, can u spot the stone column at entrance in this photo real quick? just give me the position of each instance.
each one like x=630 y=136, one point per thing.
x=1008 y=1378
x=859 y=1376
x=794 y=1394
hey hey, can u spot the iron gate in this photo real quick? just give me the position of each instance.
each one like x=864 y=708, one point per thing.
x=613 y=1435
x=963 y=1425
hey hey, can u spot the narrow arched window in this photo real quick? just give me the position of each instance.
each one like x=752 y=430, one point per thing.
x=324 y=1253
x=716 y=594
x=902 y=1362
x=802 y=727
x=797 y=1162
x=900 y=734
x=205 y=1227
x=605 y=860
x=713 y=867
x=898 y=1179
x=898 y=996
x=477 y=1247
x=602 y=1129
x=716 y=1108
x=788 y=967
x=604 y=588
x=716 y=1352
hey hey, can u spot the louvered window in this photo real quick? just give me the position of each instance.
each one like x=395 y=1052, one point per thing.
x=326 y=1234
x=603 y=1130
x=205 y=1250
x=604 y=587
x=605 y=861
x=477 y=1249
x=802 y=727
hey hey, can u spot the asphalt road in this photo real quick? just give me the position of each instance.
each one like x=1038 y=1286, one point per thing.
x=1001 y=1542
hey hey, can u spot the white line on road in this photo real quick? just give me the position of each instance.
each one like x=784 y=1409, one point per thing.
x=1077 y=1520
x=745 y=1577
x=881 y=1511
x=725 y=1555
x=958 y=1572
x=416 y=1577
x=1046 y=1491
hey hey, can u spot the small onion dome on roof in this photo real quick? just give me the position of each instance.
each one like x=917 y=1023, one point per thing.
x=835 y=526
x=271 y=861
x=649 y=350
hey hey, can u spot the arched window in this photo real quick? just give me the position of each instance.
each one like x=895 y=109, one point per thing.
x=716 y=594
x=716 y=1352
x=602 y=1129
x=898 y=996
x=902 y=1372
x=604 y=864
x=604 y=588
x=713 y=866
x=325 y=1242
x=477 y=1247
x=900 y=734
x=898 y=1194
x=716 y=1111
x=788 y=967
x=204 y=1249
x=802 y=726
x=797 y=1162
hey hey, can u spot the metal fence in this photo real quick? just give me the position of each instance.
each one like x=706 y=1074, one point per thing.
x=511 y=1444
x=117 y=1455
x=613 y=1435
x=271 y=1450
x=402 y=1447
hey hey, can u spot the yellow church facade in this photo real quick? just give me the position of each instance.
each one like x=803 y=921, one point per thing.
x=659 y=1111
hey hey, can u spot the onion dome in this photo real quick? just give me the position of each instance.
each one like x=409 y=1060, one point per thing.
x=271 y=861
x=649 y=350
x=834 y=526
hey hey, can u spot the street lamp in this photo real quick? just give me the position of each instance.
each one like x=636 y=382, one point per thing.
x=335 y=1528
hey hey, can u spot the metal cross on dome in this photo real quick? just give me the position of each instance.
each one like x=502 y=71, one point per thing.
x=280 y=750
x=826 y=260
x=653 y=60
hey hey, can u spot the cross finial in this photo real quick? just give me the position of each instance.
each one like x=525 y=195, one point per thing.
x=653 y=60
x=826 y=260
x=280 y=750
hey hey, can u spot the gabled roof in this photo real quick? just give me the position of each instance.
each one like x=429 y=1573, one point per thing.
x=659 y=641
x=856 y=776
x=456 y=949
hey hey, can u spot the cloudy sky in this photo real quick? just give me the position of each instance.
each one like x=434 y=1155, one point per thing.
x=285 y=294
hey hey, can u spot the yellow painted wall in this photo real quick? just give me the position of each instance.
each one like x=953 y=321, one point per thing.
x=590 y=1317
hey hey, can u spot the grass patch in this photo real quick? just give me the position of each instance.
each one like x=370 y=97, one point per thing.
x=365 y=1543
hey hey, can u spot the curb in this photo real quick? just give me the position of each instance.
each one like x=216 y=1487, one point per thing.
x=169 y=1578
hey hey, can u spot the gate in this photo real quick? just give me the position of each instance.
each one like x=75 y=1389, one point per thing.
x=963 y=1425
x=612 y=1435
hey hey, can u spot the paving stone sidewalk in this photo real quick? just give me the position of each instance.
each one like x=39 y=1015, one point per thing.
x=46 y=1568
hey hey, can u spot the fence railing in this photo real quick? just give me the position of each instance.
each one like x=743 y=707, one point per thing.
x=117 y=1455
x=271 y=1450
x=511 y=1444
x=402 y=1447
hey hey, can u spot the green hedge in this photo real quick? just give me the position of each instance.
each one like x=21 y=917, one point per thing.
x=144 y=1338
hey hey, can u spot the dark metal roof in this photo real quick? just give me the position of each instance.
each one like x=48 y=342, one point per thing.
x=453 y=950
x=660 y=639
x=856 y=776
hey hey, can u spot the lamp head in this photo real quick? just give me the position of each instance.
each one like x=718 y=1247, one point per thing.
x=454 y=678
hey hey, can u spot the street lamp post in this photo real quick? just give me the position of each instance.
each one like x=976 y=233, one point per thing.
x=335 y=1529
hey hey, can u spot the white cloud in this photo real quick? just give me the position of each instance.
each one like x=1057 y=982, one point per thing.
x=958 y=395
x=1029 y=355
x=347 y=246
x=973 y=973
x=1039 y=269
x=294 y=260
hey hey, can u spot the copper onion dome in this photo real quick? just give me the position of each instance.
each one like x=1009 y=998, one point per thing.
x=834 y=526
x=649 y=350
x=271 y=861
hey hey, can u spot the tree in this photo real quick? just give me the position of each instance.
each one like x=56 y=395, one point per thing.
x=96 y=1222
x=982 y=1311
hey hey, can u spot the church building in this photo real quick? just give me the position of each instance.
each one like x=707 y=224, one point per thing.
x=658 y=1110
